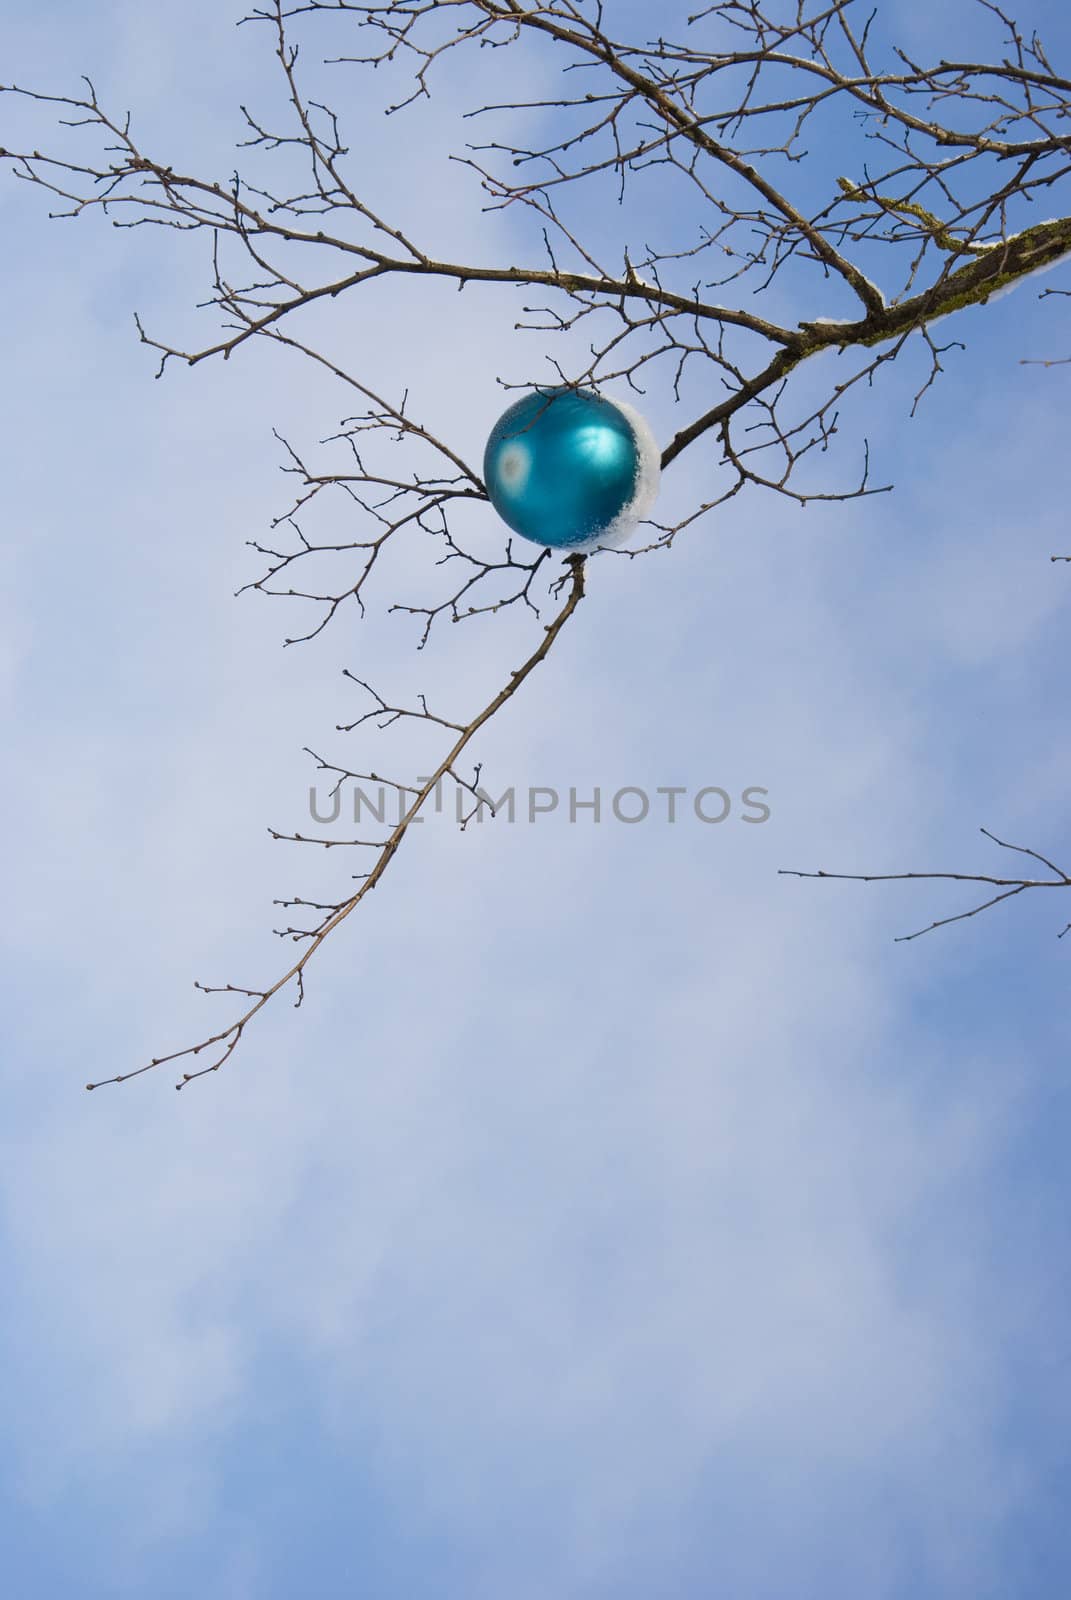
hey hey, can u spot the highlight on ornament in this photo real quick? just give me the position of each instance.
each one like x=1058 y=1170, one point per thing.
x=571 y=470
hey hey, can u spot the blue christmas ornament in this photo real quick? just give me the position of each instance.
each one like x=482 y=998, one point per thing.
x=571 y=470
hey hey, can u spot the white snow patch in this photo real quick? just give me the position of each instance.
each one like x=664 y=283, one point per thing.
x=648 y=480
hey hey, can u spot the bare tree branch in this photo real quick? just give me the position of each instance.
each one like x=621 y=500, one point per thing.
x=335 y=914
x=1009 y=886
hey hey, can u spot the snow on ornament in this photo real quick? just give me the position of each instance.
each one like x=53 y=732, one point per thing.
x=571 y=470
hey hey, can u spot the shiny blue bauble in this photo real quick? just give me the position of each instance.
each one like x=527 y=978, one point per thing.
x=571 y=470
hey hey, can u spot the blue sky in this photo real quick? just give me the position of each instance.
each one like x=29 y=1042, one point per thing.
x=616 y=1218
